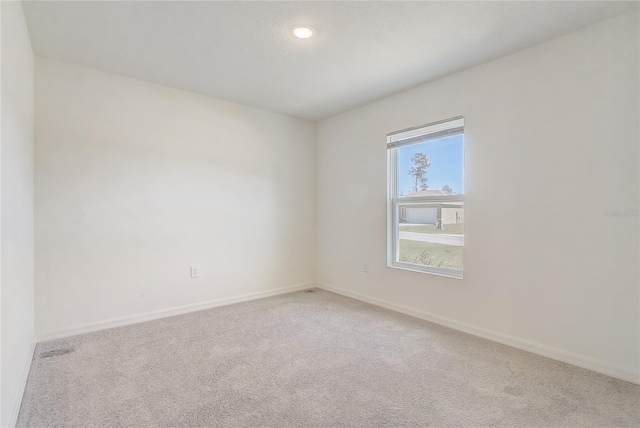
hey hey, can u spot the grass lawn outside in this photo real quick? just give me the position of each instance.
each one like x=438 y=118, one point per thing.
x=450 y=229
x=429 y=254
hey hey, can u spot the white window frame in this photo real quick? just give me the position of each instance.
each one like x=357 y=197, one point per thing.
x=432 y=131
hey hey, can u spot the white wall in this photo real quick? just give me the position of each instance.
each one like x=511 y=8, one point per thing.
x=135 y=182
x=553 y=126
x=16 y=213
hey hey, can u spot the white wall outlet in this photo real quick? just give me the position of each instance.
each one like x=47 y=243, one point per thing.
x=195 y=271
x=365 y=267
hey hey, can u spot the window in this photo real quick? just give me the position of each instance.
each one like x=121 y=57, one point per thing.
x=426 y=198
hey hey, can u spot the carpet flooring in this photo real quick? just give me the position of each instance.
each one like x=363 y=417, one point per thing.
x=309 y=359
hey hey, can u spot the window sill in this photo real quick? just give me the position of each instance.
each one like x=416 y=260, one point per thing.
x=446 y=272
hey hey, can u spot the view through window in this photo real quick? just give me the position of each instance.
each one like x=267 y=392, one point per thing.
x=426 y=198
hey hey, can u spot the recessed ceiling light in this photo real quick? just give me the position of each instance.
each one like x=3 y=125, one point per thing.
x=303 y=32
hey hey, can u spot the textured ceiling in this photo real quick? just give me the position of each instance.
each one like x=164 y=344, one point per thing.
x=244 y=52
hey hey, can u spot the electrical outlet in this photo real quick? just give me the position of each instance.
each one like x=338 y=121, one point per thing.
x=195 y=271
x=365 y=267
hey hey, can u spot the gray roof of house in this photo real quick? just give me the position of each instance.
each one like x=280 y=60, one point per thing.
x=430 y=193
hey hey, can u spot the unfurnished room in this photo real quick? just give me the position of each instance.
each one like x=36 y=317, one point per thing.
x=319 y=214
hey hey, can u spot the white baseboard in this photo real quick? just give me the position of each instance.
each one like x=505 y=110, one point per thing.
x=163 y=313
x=585 y=362
x=15 y=410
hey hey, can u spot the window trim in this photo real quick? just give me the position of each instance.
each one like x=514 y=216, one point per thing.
x=395 y=140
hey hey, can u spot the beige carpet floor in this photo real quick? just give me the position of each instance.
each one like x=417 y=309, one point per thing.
x=309 y=359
